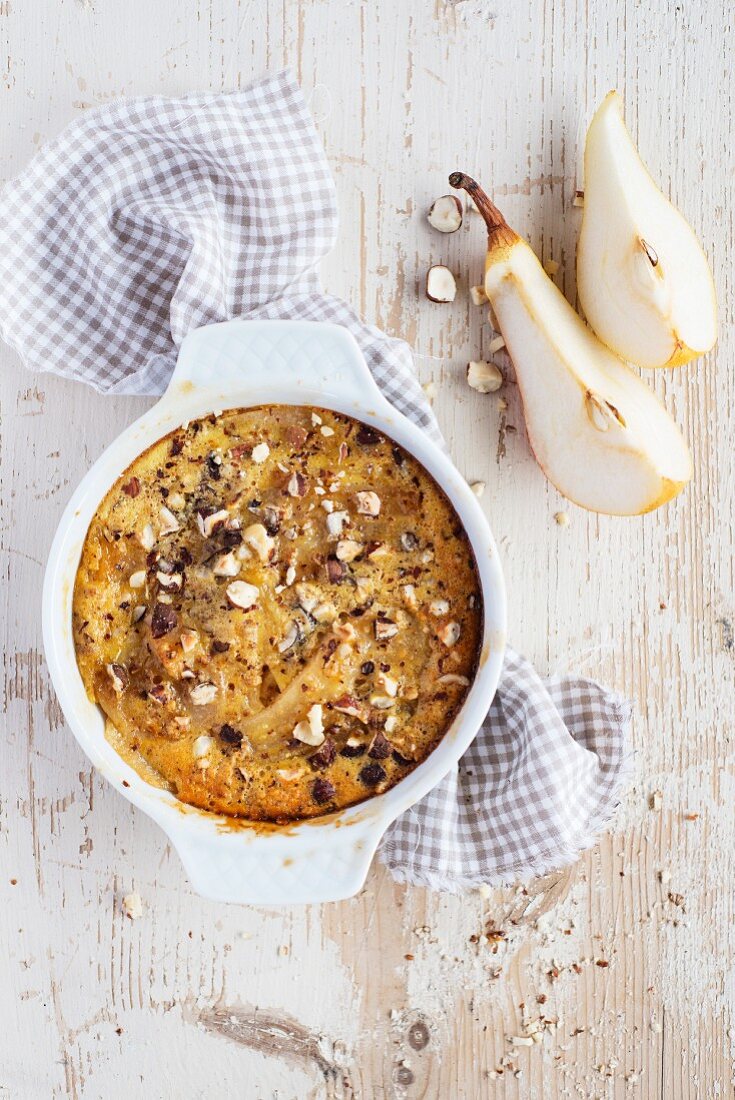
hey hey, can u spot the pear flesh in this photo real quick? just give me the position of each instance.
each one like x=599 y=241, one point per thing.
x=643 y=280
x=598 y=432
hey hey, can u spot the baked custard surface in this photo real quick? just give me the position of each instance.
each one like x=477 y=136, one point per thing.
x=279 y=612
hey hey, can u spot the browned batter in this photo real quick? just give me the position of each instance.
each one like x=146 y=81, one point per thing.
x=279 y=612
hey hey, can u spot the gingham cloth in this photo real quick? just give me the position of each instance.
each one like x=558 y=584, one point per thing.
x=151 y=217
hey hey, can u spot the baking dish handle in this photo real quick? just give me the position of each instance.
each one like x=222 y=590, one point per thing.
x=307 y=864
x=293 y=361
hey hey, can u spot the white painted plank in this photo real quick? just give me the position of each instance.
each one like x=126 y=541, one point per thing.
x=92 y=1003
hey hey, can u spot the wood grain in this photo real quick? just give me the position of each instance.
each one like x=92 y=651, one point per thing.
x=396 y=993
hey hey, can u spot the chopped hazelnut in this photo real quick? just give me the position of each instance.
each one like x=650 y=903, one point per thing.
x=445 y=214
x=163 y=619
x=439 y=607
x=380 y=747
x=132 y=487
x=170 y=580
x=169 y=522
x=324 y=612
x=382 y=702
x=189 y=640
x=353 y=746
x=388 y=684
x=449 y=633
x=289 y=774
x=260 y=452
x=201 y=746
x=296 y=485
x=257 y=538
x=384 y=629
x=336 y=571
x=208 y=522
x=345 y=632
x=226 y=565
x=119 y=676
x=347 y=704
x=137 y=579
x=290 y=638
x=336 y=522
x=158 y=693
x=241 y=594
x=308 y=596
x=348 y=549
x=203 y=694
x=311 y=731
x=147 y=537
x=368 y=503
x=409 y=595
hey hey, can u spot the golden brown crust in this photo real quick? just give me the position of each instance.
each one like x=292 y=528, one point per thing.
x=279 y=612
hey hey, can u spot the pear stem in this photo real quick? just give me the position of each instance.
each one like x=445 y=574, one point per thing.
x=498 y=230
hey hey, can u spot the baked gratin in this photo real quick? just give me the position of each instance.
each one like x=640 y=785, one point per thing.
x=279 y=612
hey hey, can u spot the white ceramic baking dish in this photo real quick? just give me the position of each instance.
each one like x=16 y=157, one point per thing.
x=231 y=365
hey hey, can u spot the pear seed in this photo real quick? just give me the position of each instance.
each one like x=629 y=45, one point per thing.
x=603 y=413
x=650 y=252
x=598 y=413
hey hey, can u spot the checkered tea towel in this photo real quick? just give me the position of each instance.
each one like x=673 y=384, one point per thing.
x=151 y=217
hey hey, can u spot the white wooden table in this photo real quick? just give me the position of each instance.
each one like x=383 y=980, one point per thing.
x=391 y=994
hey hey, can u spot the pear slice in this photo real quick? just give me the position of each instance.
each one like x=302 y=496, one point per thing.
x=598 y=432
x=643 y=281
